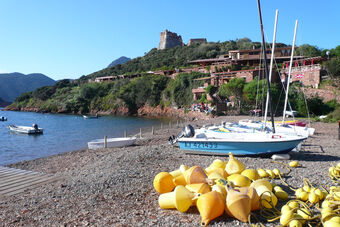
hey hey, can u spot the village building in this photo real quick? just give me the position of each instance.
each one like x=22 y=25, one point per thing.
x=306 y=70
x=247 y=64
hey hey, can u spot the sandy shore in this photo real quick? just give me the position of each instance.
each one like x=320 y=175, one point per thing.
x=113 y=187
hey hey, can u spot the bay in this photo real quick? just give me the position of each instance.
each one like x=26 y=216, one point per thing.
x=62 y=133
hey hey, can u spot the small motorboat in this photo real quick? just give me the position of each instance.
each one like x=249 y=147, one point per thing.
x=111 y=142
x=26 y=129
x=2 y=118
x=90 y=116
x=241 y=143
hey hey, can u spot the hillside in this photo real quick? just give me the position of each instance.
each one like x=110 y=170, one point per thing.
x=128 y=96
x=175 y=57
x=3 y=103
x=13 y=85
x=119 y=61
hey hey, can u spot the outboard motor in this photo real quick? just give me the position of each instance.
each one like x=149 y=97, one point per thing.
x=35 y=126
x=187 y=131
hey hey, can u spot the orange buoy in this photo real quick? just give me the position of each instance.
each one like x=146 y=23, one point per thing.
x=238 y=204
x=195 y=175
x=210 y=206
x=254 y=197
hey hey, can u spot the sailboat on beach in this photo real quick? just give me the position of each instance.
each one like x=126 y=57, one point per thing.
x=240 y=142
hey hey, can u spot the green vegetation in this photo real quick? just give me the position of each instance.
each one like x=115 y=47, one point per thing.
x=79 y=96
x=73 y=97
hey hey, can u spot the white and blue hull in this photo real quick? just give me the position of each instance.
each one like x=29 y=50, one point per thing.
x=246 y=144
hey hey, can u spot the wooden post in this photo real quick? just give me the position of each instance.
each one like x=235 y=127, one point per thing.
x=161 y=125
x=152 y=131
x=125 y=133
x=140 y=132
x=169 y=124
x=105 y=141
x=177 y=123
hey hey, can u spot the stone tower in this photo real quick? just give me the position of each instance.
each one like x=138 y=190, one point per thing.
x=169 y=39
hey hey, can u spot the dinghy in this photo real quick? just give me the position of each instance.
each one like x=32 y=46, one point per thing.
x=90 y=116
x=111 y=142
x=26 y=129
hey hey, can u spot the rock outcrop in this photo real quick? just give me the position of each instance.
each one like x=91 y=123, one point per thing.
x=169 y=112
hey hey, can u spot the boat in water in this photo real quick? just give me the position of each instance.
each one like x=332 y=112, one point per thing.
x=111 y=142
x=26 y=129
x=90 y=116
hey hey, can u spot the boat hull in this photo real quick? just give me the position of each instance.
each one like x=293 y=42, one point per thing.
x=25 y=129
x=111 y=142
x=239 y=148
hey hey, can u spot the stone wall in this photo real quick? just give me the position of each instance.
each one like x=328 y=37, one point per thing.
x=309 y=75
x=193 y=41
x=169 y=39
x=326 y=94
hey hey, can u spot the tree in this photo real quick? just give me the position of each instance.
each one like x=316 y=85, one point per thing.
x=333 y=67
x=308 y=50
x=233 y=88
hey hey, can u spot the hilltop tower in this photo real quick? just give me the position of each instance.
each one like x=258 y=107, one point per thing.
x=169 y=39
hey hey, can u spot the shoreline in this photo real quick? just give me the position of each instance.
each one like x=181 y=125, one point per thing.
x=113 y=186
x=145 y=111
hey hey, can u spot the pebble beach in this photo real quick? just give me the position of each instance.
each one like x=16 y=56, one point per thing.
x=113 y=186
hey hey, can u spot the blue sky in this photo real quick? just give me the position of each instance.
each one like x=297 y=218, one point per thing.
x=71 y=38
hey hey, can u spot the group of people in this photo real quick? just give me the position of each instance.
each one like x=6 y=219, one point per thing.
x=201 y=107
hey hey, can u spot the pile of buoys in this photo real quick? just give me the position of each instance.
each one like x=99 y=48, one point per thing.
x=223 y=187
x=228 y=187
x=311 y=194
x=330 y=208
x=334 y=173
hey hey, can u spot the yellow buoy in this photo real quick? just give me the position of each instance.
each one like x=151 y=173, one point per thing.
x=200 y=188
x=210 y=206
x=217 y=174
x=252 y=174
x=163 y=182
x=217 y=163
x=268 y=199
x=179 y=171
x=238 y=204
x=180 y=180
x=181 y=199
x=293 y=164
x=239 y=180
x=254 y=197
x=220 y=189
x=261 y=182
x=262 y=173
x=234 y=166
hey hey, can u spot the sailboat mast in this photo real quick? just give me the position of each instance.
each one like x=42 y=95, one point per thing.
x=271 y=67
x=289 y=74
x=266 y=66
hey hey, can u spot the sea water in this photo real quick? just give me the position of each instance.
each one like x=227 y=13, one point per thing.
x=62 y=133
